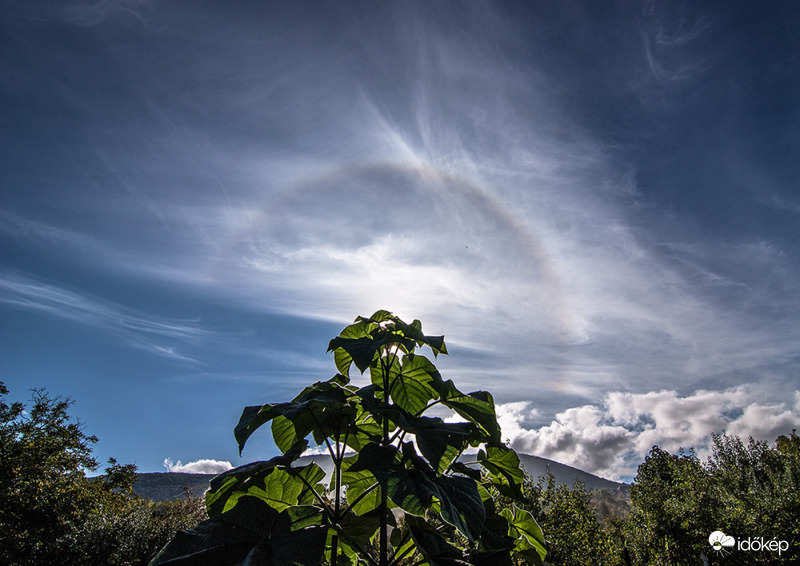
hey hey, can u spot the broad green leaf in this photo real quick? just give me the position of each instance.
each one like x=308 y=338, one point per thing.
x=494 y=535
x=411 y=490
x=278 y=485
x=226 y=539
x=379 y=460
x=339 y=380
x=476 y=407
x=279 y=488
x=456 y=498
x=461 y=505
x=343 y=360
x=529 y=538
x=436 y=344
x=226 y=484
x=312 y=476
x=322 y=409
x=301 y=516
x=463 y=469
x=361 y=328
x=414 y=487
x=440 y=442
x=433 y=546
x=412 y=383
x=302 y=547
x=403 y=544
x=359 y=529
x=357 y=482
x=378 y=410
x=504 y=469
x=380 y=316
x=287 y=429
x=360 y=350
x=414 y=331
x=364 y=429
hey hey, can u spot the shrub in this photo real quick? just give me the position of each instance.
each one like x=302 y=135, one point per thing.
x=131 y=534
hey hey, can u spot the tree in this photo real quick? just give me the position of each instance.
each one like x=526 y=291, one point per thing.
x=757 y=491
x=398 y=494
x=575 y=537
x=51 y=513
x=673 y=509
x=568 y=515
x=745 y=490
x=44 y=491
x=789 y=445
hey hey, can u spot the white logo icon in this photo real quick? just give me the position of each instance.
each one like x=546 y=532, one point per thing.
x=719 y=541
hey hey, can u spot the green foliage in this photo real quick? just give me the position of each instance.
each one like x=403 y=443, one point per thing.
x=575 y=536
x=789 y=445
x=673 y=509
x=130 y=533
x=744 y=490
x=398 y=494
x=756 y=490
x=611 y=503
x=43 y=488
x=51 y=513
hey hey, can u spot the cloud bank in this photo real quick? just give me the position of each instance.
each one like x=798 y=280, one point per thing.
x=611 y=439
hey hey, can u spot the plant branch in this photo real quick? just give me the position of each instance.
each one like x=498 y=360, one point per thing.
x=314 y=491
x=426 y=407
x=405 y=553
x=365 y=555
x=319 y=424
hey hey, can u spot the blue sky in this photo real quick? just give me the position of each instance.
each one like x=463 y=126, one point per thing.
x=596 y=203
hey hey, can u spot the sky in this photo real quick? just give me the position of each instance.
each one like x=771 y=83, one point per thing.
x=596 y=203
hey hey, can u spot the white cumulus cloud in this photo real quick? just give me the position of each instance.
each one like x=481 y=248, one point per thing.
x=204 y=466
x=611 y=439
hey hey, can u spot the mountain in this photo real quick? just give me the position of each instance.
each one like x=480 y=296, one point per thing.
x=536 y=467
x=161 y=486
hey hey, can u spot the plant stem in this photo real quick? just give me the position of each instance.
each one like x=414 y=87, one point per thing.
x=384 y=535
x=334 y=550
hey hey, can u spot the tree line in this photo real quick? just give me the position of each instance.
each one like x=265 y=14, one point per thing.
x=391 y=501
x=52 y=513
x=747 y=490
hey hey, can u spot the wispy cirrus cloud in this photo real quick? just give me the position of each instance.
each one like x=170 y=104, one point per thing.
x=581 y=200
x=98 y=11
x=157 y=335
x=446 y=205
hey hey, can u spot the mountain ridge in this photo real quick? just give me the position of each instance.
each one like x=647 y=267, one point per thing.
x=163 y=486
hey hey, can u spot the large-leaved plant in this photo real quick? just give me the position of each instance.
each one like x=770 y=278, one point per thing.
x=399 y=493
